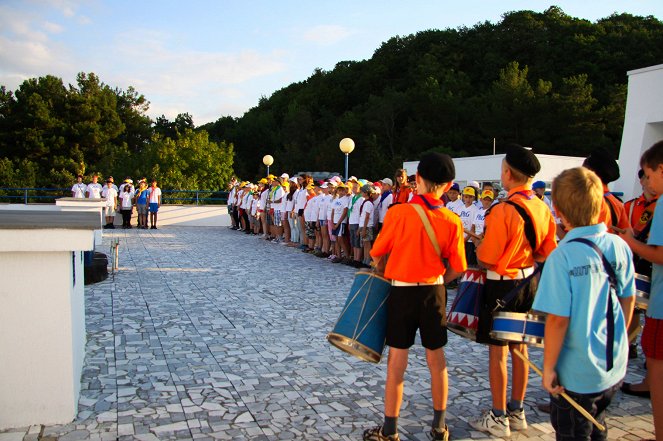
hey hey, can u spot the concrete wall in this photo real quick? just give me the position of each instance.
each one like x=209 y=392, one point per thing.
x=488 y=168
x=643 y=125
x=43 y=337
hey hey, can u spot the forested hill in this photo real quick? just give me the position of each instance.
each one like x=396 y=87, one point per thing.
x=546 y=80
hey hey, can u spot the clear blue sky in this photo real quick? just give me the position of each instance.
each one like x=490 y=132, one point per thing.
x=216 y=58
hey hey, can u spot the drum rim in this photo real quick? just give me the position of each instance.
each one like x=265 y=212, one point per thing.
x=534 y=341
x=511 y=315
x=462 y=331
x=353 y=347
x=519 y=337
x=372 y=274
x=643 y=277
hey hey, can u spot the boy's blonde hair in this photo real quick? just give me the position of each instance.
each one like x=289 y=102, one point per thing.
x=577 y=194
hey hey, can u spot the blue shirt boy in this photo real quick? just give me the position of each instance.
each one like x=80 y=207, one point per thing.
x=655 y=308
x=574 y=284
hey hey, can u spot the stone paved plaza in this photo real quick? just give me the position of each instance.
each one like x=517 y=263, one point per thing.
x=207 y=333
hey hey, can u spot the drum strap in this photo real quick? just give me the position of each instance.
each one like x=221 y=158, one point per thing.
x=610 y=318
x=428 y=227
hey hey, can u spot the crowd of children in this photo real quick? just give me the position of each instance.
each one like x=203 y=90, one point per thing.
x=339 y=220
x=122 y=199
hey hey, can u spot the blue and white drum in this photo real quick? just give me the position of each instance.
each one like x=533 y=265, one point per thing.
x=519 y=327
x=642 y=289
x=361 y=328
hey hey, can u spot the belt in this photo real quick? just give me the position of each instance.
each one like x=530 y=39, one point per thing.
x=522 y=274
x=438 y=281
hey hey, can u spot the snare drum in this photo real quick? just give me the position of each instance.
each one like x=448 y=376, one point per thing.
x=519 y=327
x=642 y=289
x=361 y=328
x=463 y=317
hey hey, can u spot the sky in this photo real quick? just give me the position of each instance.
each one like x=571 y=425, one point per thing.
x=215 y=58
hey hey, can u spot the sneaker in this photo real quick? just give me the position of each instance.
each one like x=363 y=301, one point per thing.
x=517 y=419
x=496 y=426
x=440 y=435
x=331 y=257
x=375 y=434
x=337 y=260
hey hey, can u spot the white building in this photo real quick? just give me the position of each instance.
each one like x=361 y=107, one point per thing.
x=643 y=125
x=487 y=168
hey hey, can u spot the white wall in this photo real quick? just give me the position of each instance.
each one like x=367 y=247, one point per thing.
x=487 y=168
x=42 y=338
x=643 y=125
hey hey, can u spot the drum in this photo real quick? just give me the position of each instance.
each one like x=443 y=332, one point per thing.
x=463 y=317
x=362 y=326
x=519 y=327
x=642 y=288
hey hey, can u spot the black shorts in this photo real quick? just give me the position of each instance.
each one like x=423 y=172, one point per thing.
x=417 y=307
x=497 y=289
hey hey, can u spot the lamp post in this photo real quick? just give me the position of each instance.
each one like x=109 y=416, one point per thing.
x=268 y=160
x=346 y=145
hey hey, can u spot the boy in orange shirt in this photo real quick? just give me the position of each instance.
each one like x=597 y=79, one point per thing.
x=509 y=252
x=418 y=298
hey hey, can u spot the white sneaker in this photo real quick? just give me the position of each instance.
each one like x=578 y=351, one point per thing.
x=517 y=419
x=496 y=426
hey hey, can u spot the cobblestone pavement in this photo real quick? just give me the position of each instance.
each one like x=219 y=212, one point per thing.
x=207 y=333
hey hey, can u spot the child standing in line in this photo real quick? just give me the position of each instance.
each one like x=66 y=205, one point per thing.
x=366 y=222
x=154 y=198
x=652 y=334
x=587 y=284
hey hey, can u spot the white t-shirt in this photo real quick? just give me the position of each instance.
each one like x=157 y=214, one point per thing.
x=94 y=190
x=330 y=207
x=338 y=206
x=255 y=205
x=353 y=210
x=301 y=199
x=110 y=194
x=290 y=203
x=366 y=211
x=126 y=197
x=311 y=209
x=153 y=196
x=455 y=206
x=384 y=205
x=479 y=220
x=79 y=190
x=278 y=195
x=231 y=196
x=325 y=199
x=467 y=216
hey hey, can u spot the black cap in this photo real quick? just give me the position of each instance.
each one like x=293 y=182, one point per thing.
x=437 y=168
x=603 y=163
x=522 y=159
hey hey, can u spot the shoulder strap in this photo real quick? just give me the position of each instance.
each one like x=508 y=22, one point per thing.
x=530 y=233
x=427 y=226
x=610 y=319
x=613 y=213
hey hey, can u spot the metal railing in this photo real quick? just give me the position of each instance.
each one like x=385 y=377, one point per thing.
x=15 y=195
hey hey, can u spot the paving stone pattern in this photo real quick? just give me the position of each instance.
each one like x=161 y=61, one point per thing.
x=208 y=333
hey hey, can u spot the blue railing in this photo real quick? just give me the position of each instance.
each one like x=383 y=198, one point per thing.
x=15 y=195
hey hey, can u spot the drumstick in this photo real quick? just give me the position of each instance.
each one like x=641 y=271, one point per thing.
x=468 y=232
x=634 y=334
x=571 y=401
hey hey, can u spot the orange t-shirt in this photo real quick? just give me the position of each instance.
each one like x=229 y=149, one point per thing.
x=401 y=195
x=639 y=212
x=412 y=257
x=605 y=215
x=505 y=248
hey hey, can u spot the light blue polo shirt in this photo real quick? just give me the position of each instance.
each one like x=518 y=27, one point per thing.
x=574 y=284
x=655 y=308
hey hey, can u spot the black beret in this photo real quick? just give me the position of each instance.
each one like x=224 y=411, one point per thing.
x=436 y=167
x=522 y=159
x=603 y=163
